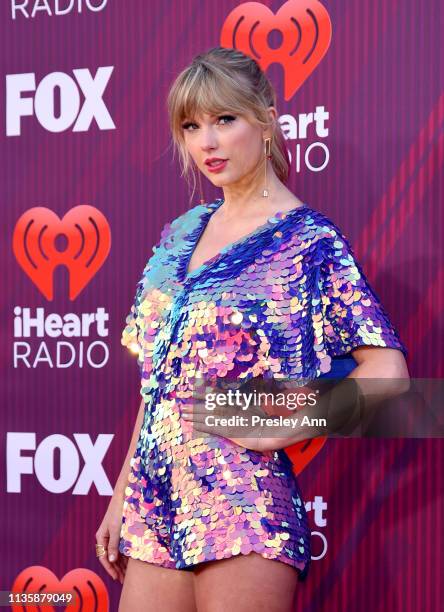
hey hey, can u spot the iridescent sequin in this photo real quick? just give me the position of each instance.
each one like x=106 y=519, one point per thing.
x=279 y=303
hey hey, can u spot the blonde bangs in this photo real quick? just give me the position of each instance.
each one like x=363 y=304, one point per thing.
x=208 y=91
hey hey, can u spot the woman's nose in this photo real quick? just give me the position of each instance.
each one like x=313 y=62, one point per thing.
x=208 y=139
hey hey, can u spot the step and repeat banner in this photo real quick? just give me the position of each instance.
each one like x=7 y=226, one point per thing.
x=89 y=180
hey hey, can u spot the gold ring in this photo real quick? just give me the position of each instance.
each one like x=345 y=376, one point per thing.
x=100 y=550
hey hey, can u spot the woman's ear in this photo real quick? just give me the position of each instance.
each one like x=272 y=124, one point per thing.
x=272 y=113
x=272 y=118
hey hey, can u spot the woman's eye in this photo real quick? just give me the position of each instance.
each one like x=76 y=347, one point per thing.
x=185 y=126
x=229 y=118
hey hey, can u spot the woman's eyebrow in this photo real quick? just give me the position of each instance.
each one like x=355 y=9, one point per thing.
x=211 y=115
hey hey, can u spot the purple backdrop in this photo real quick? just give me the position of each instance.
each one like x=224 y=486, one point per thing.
x=103 y=141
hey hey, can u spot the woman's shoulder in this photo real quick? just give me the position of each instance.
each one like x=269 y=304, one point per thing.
x=175 y=229
x=325 y=226
x=192 y=213
x=314 y=229
x=186 y=221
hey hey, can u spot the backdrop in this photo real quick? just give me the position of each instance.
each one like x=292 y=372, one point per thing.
x=88 y=180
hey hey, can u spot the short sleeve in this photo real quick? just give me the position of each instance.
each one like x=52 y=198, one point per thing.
x=352 y=313
x=130 y=333
x=152 y=297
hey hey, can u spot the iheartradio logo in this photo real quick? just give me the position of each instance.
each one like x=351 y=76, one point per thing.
x=86 y=233
x=91 y=594
x=304 y=28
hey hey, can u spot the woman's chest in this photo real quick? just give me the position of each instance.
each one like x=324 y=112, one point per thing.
x=258 y=285
x=226 y=324
x=217 y=237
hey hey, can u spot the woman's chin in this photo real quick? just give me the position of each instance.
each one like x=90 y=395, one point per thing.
x=221 y=180
x=218 y=181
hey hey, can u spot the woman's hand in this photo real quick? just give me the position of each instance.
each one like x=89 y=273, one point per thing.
x=241 y=422
x=108 y=534
x=229 y=421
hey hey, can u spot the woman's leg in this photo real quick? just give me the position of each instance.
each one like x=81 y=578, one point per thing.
x=149 y=587
x=245 y=583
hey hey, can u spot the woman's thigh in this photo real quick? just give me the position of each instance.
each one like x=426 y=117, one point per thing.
x=149 y=587
x=245 y=583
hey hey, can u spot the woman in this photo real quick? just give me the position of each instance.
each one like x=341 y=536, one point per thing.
x=256 y=285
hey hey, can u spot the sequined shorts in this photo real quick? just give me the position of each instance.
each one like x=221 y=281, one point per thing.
x=213 y=501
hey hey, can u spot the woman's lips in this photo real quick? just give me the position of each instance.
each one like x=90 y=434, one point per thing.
x=217 y=167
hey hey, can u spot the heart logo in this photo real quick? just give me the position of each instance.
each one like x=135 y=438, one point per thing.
x=303 y=452
x=305 y=30
x=88 y=238
x=89 y=590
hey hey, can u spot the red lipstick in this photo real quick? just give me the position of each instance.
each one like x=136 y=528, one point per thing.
x=215 y=164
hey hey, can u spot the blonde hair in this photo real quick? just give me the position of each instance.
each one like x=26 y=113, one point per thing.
x=218 y=81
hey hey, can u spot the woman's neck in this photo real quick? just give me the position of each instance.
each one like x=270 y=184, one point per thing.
x=246 y=199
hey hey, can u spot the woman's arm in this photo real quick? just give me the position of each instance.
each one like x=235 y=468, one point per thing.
x=108 y=532
x=381 y=363
x=381 y=374
x=120 y=486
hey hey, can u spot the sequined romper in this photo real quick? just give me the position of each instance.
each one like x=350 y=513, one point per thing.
x=279 y=303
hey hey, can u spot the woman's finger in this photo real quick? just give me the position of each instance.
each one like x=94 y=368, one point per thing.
x=197 y=408
x=119 y=568
x=205 y=430
x=109 y=567
x=195 y=412
x=119 y=575
x=113 y=543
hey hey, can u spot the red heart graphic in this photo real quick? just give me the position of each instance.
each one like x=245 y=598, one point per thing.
x=88 y=244
x=90 y=590
x=306 y=30
x=303 y=452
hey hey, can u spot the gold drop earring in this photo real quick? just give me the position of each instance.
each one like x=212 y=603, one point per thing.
x=267 y=155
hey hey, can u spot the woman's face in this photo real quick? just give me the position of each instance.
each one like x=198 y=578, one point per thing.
x=225 y=137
